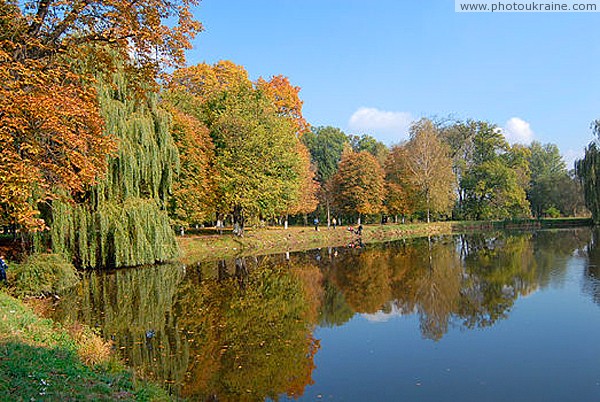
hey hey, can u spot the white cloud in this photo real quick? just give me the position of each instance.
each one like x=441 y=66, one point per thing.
x=388 y=127
x=381 y=316
x=517 y=130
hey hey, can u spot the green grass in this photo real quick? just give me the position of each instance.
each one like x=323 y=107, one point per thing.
x=39 y=361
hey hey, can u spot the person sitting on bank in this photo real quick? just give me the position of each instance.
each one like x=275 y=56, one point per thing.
x=3 y=268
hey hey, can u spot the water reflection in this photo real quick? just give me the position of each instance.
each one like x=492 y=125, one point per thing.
x=243 y=329
x=592 y=283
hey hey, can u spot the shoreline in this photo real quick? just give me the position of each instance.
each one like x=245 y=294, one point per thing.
x=211 y=246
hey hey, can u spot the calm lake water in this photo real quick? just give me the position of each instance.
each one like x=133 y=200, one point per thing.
x=480 y=317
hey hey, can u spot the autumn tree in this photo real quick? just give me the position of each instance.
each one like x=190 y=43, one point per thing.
x=154 y=32
x=287 y=102
x=401 y=195
x=358 y=185
x=258 y=156
x=193 y=197
x=51 y=132
x=307 y=200
x=429 y=168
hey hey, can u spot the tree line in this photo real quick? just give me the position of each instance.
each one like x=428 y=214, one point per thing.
x=464 y=170
x=103 y=153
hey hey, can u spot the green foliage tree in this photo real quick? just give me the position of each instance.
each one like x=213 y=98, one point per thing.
x=551 y=185
x=326 y=145
x=493 y=192
x=492 y=183
x=588 y=171
x=460 y=137
x=256 y=159
x=367 y=143
x=122 y=220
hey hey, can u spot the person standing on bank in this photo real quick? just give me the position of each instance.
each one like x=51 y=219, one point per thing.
x=316 y=222
x=334 y=222
x=3 y=268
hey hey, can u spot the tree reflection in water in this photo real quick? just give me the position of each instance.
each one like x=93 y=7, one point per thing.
x=592 y=284
x=468 y=280
x=243 y=329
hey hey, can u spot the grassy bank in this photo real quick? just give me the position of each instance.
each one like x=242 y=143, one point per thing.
x=270 y=240
x=40 y=360
x=212 y=246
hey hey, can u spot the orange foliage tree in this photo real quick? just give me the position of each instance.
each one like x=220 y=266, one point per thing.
x=400 y=197
x=286 y=100
x=307 y=200
x=51 y=132
x=358 y=185
x=51 y=137
x=193 y=197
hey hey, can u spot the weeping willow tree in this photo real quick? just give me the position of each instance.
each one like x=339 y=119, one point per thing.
x=588 y=171
x=122 y=221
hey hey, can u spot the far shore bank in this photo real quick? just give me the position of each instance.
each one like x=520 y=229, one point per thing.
x=209 y=245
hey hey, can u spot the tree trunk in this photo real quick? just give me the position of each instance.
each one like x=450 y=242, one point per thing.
x=427 y=198
x=238 y=221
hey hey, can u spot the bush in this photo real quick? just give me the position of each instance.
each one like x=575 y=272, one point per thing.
x=91 y=348
x=43 y=274
x=552 y=212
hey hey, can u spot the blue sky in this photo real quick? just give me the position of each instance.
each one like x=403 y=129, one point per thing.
x=372 y=67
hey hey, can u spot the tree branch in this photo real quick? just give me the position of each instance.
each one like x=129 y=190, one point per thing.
x=34 y=28
x=67 y=21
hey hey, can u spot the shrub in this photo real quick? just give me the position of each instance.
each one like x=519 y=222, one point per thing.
x=552 y=212
x=43 y=274
x=91 y=348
